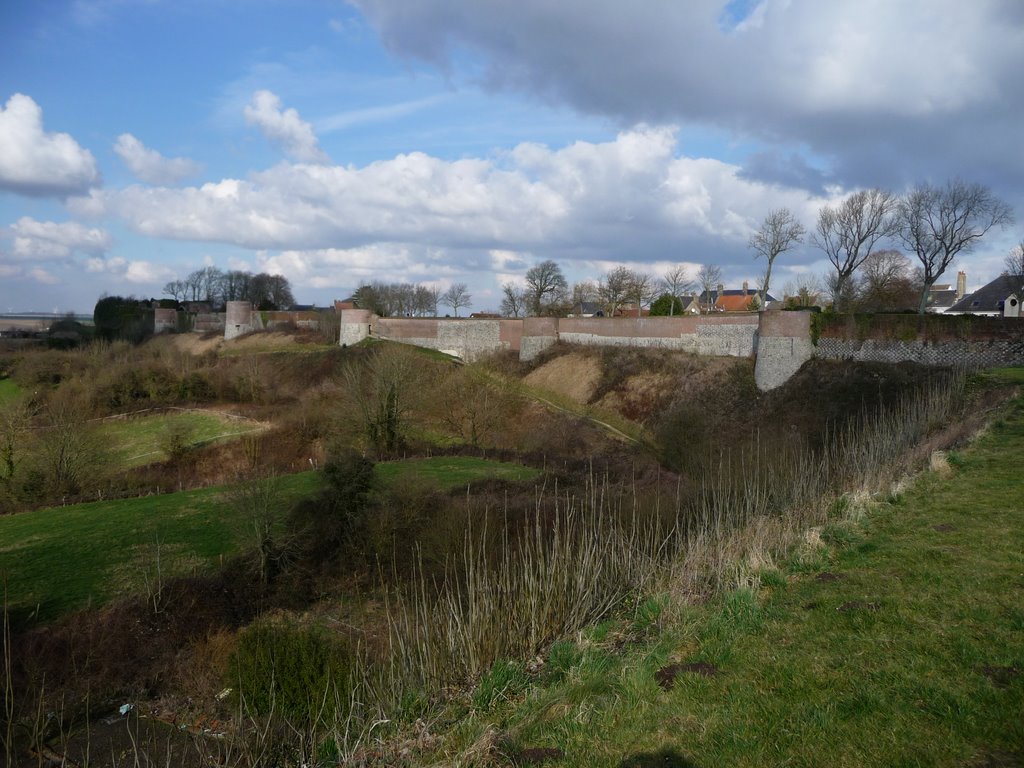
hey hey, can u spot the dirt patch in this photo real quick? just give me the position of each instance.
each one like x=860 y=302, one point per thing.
x=858 y=605
x=944 y=527
x=189 y=343
x=1001 y=677
x=537 y=755
x=574 y=376
x=828 y=576
x=666 y=676
x=638 y=397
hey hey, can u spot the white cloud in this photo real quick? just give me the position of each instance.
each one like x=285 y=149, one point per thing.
x=53 y=241
x=40 y=275
x=420 y=218
x=136 y=272
x=284 y=127
x=35 y=162
x=149 y=165
x=888 y=92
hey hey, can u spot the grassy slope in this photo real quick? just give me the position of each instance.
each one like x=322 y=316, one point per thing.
x=62 y=558
x=912 y=654
x=8 y=390
x=141 y=440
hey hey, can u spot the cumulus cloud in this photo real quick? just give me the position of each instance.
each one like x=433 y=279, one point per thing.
x=136 y=272
x=38 y=163
x=55 y=241
x=416 y=217
x=887 y=91
x=150 y=166
x=284 y=127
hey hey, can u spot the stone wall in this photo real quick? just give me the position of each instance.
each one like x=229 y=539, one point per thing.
x=465 y=338
x=780 y=341
x=967 y=354
x=783 y=345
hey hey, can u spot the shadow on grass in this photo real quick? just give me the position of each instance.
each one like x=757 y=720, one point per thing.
x=666 y=758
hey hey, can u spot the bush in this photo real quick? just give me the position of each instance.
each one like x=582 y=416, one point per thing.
x=299 y=673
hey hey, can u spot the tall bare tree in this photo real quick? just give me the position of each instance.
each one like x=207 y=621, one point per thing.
x=614 y=288
x=938 y=223
x=513 y=300
x=457 y=296
x=546 y=287
x=779 y=232
x=849 y=232
x=677 y=282
x=642 y=290
x=709 y=277
x=887 y=283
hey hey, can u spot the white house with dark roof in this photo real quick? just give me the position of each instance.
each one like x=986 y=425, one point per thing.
x=1000 y=298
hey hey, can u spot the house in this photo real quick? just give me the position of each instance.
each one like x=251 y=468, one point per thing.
x=1000 y=298
x=941 y=298
x=732 y=300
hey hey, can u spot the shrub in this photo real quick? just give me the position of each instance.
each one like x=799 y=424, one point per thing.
x=299 y=673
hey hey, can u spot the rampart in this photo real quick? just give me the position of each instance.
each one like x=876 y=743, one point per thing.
x=781 y=342
x=472 y=338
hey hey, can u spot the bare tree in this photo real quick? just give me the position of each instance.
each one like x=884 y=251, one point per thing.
x=677 y=282
x=583 y=292
x=887 y=283
x=849 y=232
x=425 y=301
x=709 y=277
x=258 y=500
x=642 y=290
x=546 y=287
x=1015 y=267
x=779 y=232
x=614 y=288
x=803 y=291
x=513 y=300
x=938 y=223
x=457 y=296
x=177 y=290
x=383 y=393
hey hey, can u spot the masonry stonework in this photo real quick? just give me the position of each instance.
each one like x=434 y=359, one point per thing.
x=779 y=341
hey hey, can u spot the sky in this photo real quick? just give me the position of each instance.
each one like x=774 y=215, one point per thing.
x=464 y=141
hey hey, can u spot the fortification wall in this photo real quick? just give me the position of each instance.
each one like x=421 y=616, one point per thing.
x=783 y=345
x=975 y=353
x=165 y=320
x=720 y=335
x=780 y=341
x=466 y=338
x=205 y=322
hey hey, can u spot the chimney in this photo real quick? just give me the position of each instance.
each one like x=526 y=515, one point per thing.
x=961 y=285
x=721 y=289
x=746 y=287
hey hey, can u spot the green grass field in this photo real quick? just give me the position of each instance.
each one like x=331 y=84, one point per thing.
x=61 y=559
x=8 y=390
x=142 y=440
x=898 y=642
x=448 y=472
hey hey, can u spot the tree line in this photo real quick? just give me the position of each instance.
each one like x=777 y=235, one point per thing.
x=209 y=284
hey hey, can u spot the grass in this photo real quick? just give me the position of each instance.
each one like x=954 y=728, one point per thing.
x=449 y=472
x=895 y=637
x=64 y=558
x=142 y=440
x=8 y=390
x=61 y=559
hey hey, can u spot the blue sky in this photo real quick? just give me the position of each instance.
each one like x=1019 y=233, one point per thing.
x=450 y=141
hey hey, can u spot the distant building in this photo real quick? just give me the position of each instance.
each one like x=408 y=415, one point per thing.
x=732 y=299
x=1000 y=298
x=941 y=298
